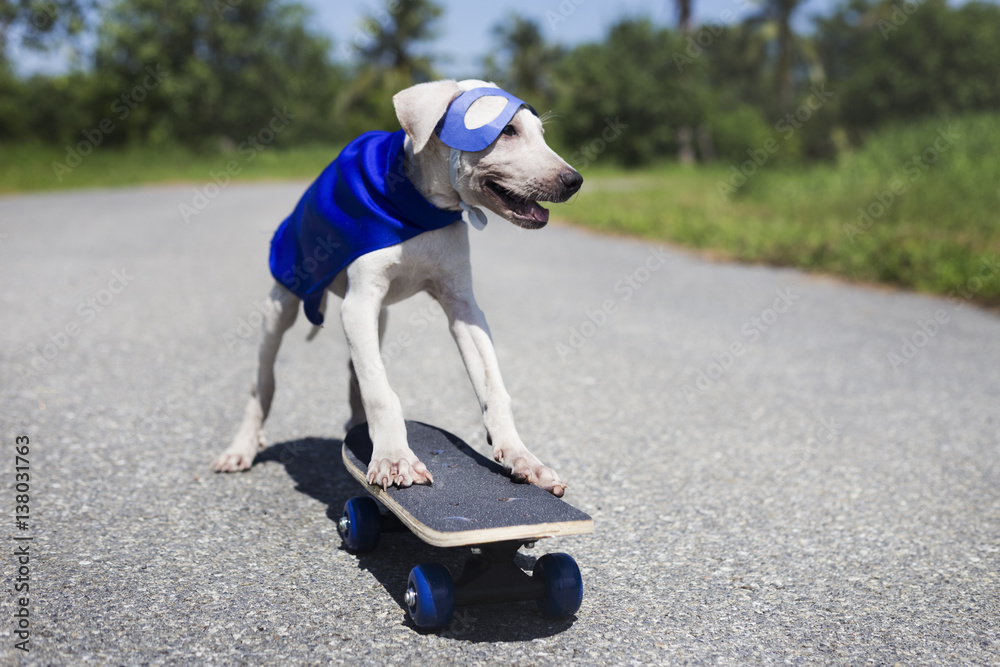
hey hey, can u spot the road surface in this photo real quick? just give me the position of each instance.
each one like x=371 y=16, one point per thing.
x=781 y=467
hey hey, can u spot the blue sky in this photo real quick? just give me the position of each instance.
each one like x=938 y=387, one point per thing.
x=466 y=26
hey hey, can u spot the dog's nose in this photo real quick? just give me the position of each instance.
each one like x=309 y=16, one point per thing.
x=571 y=180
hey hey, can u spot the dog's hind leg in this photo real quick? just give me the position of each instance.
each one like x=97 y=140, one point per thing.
x=249 y=439
x=357 y=405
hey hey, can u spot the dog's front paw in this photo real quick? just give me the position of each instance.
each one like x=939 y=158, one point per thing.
x=524 y=467
x=240 y=454
x=402 y=470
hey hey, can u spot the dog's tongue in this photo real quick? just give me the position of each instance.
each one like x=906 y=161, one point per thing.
x=538 y=213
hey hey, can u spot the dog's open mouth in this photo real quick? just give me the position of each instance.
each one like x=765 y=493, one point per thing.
x=526 y=213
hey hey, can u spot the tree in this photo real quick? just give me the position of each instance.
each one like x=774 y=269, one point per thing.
x=775 y=18
x=390 y=62
x=887 y=64
x=526 y=61
x=393 y=46
x=37 y=24
x=738 y=66
x=625 y=98
x=225 y=67
x=683 y=8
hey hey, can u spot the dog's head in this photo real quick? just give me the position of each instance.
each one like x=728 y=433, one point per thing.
x=509 y=177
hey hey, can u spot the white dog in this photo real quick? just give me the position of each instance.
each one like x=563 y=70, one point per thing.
x=508 y=177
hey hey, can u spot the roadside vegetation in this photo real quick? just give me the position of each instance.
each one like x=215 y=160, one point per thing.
x=868 y=147
x=884 y=213
x=29 y=167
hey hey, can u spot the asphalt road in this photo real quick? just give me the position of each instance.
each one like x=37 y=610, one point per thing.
x=768 y=482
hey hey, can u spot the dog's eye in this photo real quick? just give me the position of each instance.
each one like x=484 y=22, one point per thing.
x=510 y=131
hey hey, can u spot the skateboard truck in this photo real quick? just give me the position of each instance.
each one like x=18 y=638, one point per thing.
x=489 y=575
x=492 y=577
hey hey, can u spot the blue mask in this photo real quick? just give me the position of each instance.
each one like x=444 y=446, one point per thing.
x=453 y=132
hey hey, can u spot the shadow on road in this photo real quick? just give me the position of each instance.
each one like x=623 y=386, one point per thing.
x=316 y=467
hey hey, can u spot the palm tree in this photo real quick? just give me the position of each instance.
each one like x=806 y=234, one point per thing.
x=393 y=45
x=683 y=14
x=390 y=62
x=685 y=148
x=40 y=25
x=775 y=19
x=527 y=59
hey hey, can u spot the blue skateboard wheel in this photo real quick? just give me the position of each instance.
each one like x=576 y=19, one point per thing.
x=430 y=596
x=563 y=585
x=360 y=526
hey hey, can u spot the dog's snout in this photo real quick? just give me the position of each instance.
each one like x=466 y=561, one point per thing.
x=571 y=180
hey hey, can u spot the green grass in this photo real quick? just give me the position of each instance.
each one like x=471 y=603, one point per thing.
x=940 y=232
x=26 y=168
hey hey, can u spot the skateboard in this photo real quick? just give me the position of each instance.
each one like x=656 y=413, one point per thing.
x=472 y=503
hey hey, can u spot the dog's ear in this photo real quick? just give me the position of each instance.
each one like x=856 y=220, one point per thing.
x=420 y=107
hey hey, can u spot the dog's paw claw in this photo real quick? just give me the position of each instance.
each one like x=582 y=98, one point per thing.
x=241 y=452
x=402 y=471
x=526 y=469
x=232 y=462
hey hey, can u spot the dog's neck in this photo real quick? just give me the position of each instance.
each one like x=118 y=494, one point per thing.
x=428 y=171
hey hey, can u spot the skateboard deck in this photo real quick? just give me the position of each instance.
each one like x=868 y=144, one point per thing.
x=472 y=500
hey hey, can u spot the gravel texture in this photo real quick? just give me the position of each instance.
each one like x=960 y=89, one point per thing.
x=808 y=499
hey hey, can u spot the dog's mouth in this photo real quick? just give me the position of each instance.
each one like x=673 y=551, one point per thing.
x=524 y=212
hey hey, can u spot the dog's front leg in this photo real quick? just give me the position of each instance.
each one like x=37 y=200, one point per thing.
x=354 y=388
x=472 y=335
x=393 y=462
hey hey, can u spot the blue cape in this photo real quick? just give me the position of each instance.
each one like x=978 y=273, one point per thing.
x=362 y=202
